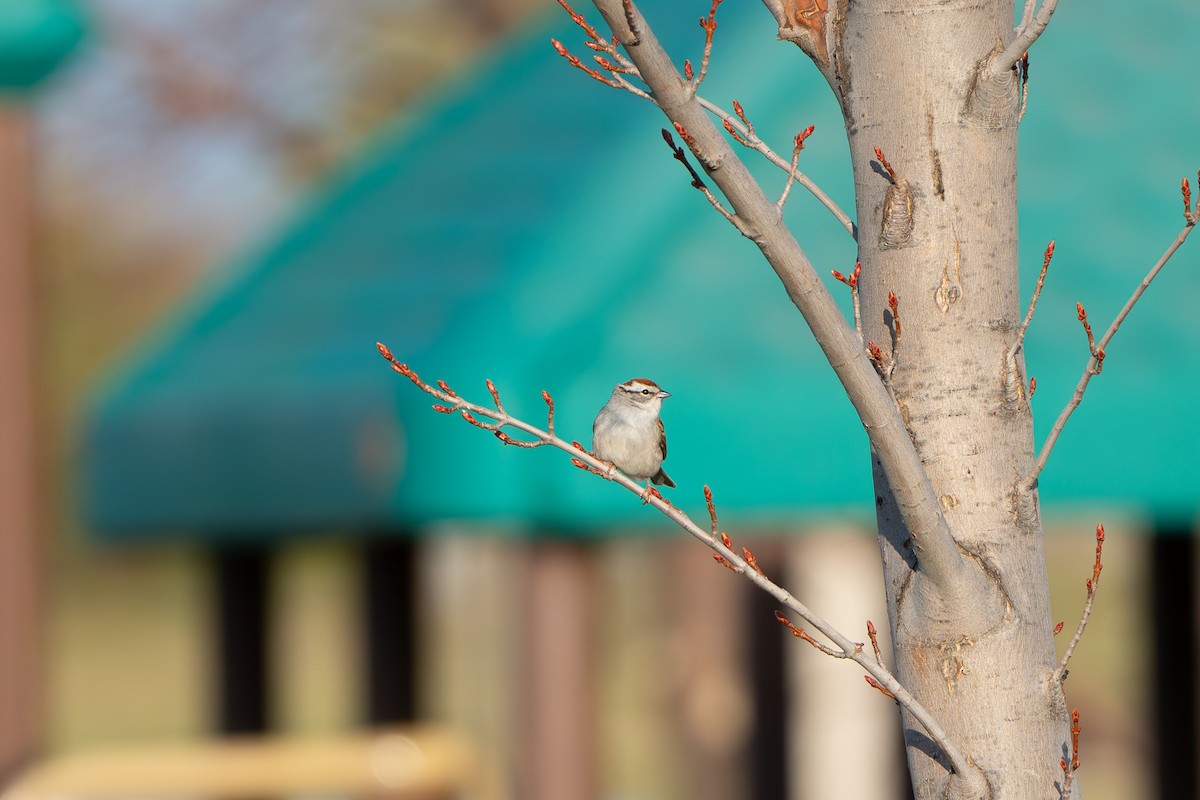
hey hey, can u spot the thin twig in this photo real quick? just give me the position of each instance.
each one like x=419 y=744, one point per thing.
x=1190 y=213
x=874 y=637
x=615 y=79
x=883 y=162
x=874 y=684
x=723 y=553
x=710 y=26
x=797 y=146
x=1027 y=14
x=894 y=306
x=743 y=132
x=620 y=66
x=1013 y=378
x=1093 y=362
x=1025 y=36
x=1037 y=292
x=1069 y=768
x=855 y=301
x=800 y=633
x=697 y=182
x=1060 y=673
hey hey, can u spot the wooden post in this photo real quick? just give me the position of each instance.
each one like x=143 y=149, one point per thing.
x=558 y=758
x=390 y=588
x=1173 y=590
x=242 y=574
x=21 y=565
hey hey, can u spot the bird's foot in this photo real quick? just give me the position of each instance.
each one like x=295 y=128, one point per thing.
x=650 y=492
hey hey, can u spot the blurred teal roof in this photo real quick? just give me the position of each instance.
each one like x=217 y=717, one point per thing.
x=35 y=36
x=528 y=225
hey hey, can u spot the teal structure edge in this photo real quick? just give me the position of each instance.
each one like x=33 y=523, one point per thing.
x=527 y=224
x=35 y=36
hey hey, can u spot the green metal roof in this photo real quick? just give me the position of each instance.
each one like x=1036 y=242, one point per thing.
x=528 y=225
x=35 y=36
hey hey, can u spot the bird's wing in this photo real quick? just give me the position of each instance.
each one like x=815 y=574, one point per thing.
x=662 y=439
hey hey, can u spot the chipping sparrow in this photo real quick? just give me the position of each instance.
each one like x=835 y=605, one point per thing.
x=628 y=432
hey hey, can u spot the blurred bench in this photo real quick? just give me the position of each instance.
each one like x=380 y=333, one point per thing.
x=418 y=762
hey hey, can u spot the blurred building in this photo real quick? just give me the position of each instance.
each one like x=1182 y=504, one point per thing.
x=525 y=224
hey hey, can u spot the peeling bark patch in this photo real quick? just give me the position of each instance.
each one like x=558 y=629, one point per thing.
x=804 y=23
x=948 y=501
x=953 y=664
x=897 y=226
x=840 y=72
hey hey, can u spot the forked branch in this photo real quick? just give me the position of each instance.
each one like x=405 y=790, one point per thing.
x=842 y=647
x=1098 y=348
x=740 y=128
x=941 y=563
x=1032 y=26
x=620 y=69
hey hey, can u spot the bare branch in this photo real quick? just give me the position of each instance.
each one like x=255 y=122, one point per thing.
x=1027 y=14
x=615 y=79
x=1025 y=36
x=620 y=66
x=894 y=306
x=710 y=26
x=1190 y=213
x=852 y=282
x=796 y=148
x=883 y=162
x=744 y=564
x=1096 y=360
x=1037 y=292
x=1012 y=377
x=1069 y=768
x=697 y=181
x=873 y=636
x=875 y=685
x=743 y=132
x=1060 y=673
x=800 y=633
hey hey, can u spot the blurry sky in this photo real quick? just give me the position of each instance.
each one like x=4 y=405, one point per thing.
x=192 y=124
x=183 y=132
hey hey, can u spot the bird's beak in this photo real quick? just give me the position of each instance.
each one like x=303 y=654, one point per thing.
x=662 y=393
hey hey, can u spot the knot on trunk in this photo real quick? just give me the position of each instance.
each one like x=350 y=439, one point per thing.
x=994 y=101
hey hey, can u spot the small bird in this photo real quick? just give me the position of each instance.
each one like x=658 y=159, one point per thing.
x=628 y=433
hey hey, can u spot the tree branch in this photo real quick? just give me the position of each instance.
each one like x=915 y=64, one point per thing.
x=619 y=66
x=1096 y=360
x=1014 y=382
x=939 y=560
x=1060 y=674
x=1033 y=26
x=720 y=543
x=743 y=132
x=1070 y=767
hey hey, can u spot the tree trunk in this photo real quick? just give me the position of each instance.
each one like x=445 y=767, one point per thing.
x=942 y=235
x=932 y=85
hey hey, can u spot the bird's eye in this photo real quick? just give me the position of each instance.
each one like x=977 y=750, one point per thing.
x=645 y=391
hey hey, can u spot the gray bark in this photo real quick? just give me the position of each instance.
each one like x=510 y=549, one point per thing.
x=952 y=436
x=913 y=80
